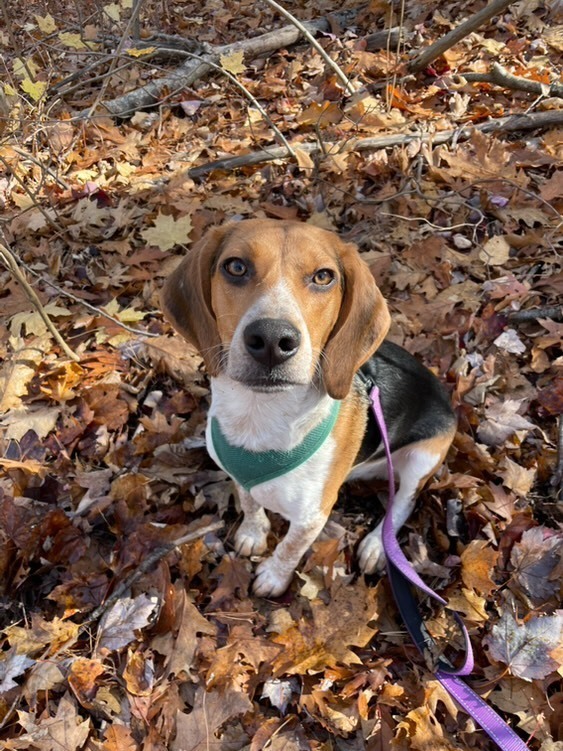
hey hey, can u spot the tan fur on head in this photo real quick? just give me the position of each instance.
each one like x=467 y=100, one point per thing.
x=346 y=324
x=362 y=324
x=186 y=298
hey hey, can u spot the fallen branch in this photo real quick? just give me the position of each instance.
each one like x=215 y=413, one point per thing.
x=187 y=74
x=501 y=77
x=456 y=35
x=380 y=40
x=11 y=263
x=504 y=124
x=122 y=42
x=554 y=312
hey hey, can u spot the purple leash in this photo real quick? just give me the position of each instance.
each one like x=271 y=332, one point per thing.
x=401 y=576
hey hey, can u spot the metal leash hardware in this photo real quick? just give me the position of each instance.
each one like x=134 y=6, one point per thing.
x=401 y=576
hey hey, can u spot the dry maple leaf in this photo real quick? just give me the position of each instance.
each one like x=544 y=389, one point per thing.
x=64 y=732
x=336 y=627
x=526 y=647
x=502 y=422
x=241 y=657
x=119 y=738
x=198 y=730
x=168 y=231
x=118 y=625
x=534 y=559
x=423 y=731
x=477 y=563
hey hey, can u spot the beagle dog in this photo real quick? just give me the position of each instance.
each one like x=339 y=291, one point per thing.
x=289 y=322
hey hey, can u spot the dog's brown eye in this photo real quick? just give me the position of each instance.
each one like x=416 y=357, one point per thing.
x=235 y=267
x=322 y=277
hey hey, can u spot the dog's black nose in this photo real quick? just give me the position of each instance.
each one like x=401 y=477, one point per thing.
x=271 y=341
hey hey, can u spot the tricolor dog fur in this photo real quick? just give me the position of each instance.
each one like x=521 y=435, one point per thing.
x=289 y=322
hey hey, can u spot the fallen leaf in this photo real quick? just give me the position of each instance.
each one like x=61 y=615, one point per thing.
x=517 y=478
x=496 y=251
x=478 y=561
x=502 y=421
x=35 y=89
x=41 y=420
x=12 y=665
x=198 y=730
x=66 y=731
x=525 y=647
x=118 y=625
x=46 y=23
x=234 y=63
x=168 y=232
x=347 y=620
x=509 y=341
x=534 y=559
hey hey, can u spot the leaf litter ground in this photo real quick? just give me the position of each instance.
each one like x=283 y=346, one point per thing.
x=103 y=460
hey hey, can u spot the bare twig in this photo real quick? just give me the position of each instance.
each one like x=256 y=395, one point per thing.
x=48 y=218
x=87 y=305
x=311 y=39
x=501 y=77
x=456 y=35
x=504 y=124
x=146 y=565
x=11 y=262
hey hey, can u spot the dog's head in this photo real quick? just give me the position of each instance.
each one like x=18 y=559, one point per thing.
x=274 y=304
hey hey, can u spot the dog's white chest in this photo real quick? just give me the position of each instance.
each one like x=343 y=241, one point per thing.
x=296 y=493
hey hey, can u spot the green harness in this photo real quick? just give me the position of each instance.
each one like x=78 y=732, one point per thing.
x=250 y=468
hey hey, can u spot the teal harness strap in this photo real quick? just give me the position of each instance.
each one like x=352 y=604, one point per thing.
x=250 y=468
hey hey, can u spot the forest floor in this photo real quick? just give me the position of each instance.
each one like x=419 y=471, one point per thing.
x=126 y=620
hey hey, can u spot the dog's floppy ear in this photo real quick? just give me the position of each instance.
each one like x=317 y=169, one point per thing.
x=186 y=298
x=361 y=326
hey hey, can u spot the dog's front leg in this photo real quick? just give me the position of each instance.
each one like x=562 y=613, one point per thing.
x=274 y=574
x=251 y=538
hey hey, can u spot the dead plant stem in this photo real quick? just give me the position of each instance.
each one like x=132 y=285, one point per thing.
x=11 y=263
x=311 y=39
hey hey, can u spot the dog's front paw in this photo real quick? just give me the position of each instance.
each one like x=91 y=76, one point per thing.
x=370 y=552
x=271 y=580
x=251 y=539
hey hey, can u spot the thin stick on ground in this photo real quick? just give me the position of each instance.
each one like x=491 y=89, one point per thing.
x=146 y=566
x=311 y=39
x=11 y=263
x=501 y=77
x=92 y=308
x=456 y=35
x=558 y=477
